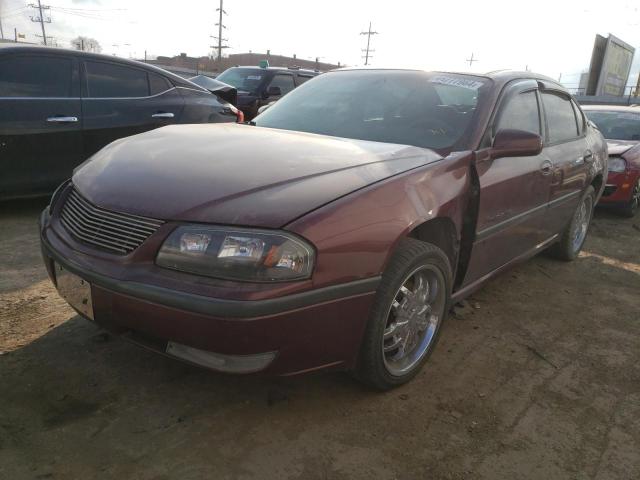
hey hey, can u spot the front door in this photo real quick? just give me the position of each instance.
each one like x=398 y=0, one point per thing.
x=40 y=122
x=513 y=190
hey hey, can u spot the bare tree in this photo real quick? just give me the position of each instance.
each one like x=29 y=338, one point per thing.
x=86 y=44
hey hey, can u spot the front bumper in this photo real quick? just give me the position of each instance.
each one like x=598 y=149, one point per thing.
x=316 y=329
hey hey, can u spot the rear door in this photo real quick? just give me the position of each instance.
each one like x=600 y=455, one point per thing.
x=513 y=190
x=40 y=122
x=567 y=149
x=121 y=100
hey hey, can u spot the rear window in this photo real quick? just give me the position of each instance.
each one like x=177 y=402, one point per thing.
x=158 y=84
x=108 y=80
x=35 y=76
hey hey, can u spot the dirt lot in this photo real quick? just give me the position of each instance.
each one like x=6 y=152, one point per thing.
x=536 y=377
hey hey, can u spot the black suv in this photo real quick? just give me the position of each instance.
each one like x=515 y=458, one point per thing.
x=258 y=86
x=58 y=107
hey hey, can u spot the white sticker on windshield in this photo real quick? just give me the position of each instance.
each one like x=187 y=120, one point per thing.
x=254 y=77
x=457 y=82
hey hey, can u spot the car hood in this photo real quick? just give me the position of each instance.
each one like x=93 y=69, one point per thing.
x=236 y=174
x=618 y=147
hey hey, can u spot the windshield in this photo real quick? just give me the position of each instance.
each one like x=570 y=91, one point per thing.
x=616 y=125
x=431 y=110
x=244 y=79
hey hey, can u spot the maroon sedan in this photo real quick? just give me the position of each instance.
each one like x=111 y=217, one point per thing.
x=621 y=127
x=333 y=232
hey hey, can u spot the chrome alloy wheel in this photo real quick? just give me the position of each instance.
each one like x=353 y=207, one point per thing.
x=582 y=219
x=413 y=319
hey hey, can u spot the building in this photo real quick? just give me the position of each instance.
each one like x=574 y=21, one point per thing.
x=184 y=65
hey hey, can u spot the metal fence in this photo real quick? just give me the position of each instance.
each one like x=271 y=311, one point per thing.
x=631 y=97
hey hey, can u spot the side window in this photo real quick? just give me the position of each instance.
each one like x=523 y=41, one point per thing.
x=158 y=84
x=285 y=82
x=35 y=76
x=107 y=80
x=303 y=78
x=521 y=113
x=561 y=118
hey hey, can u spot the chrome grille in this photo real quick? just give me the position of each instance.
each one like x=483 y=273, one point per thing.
x=115 y=232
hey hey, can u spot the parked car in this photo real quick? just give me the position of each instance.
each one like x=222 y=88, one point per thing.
x=337 y=231
x=621 y=127
x=259 y=86
x=58 y=107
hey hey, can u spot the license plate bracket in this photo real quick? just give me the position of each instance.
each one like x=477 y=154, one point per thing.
x=75 y=290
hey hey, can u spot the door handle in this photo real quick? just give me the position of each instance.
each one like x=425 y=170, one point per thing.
x=62 y=119
x=162 y=115
x=588 y=156
x=546 y=167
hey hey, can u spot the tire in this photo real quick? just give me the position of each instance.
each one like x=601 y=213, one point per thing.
x=410 y=305
x=573 y=237
x=631 y=208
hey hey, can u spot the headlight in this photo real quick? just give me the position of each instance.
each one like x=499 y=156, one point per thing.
x=237 y=254
x=617 y=164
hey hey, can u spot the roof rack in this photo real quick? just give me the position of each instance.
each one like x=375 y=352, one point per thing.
x=294 y=67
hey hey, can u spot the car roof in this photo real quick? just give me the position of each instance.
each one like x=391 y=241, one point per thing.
x=614 y=108
x=499 y=77
x=39 y=49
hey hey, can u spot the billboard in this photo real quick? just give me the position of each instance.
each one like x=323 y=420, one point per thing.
x=610 y=66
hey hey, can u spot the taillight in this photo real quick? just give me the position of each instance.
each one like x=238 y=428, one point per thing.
x=239 y=114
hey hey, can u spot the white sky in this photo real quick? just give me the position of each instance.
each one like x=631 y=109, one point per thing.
x=552 y=37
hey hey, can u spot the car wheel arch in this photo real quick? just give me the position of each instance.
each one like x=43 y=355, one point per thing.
x=597 y=183
x=439 y=231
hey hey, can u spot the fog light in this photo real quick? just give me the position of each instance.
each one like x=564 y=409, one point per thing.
x=221 y=362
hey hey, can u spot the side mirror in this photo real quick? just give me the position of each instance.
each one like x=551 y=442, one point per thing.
x=515 y=143
x=274 y=91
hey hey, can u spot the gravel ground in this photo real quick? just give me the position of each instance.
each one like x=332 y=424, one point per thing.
x=537 y=376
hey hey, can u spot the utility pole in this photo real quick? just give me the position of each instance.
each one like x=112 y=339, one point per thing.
x=220 y=26
x=471 y=60
x=1 y=31
x=41 y=18
x=368 y=34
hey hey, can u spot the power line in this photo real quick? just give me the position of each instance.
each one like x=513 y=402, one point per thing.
x=40 y=18
x=368 y=34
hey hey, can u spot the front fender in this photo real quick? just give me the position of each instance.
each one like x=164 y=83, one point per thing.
x=356 y=235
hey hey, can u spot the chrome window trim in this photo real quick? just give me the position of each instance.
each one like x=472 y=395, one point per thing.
x=40 y=98
x=129 y=98
x=89 y=98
